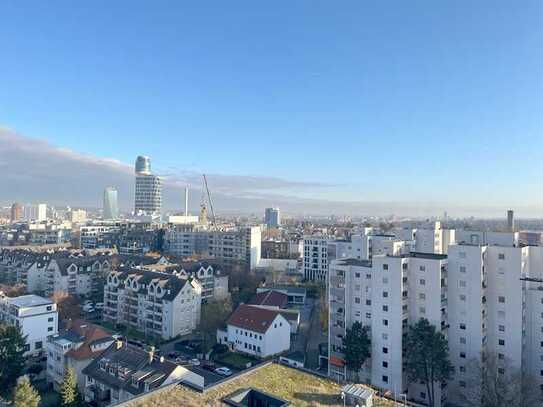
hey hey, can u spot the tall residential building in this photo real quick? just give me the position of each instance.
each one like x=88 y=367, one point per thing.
x=485 y=295
x=272 y=217
x=387 y=293
x=16 y=212
x=111 y=206
x=148 y=196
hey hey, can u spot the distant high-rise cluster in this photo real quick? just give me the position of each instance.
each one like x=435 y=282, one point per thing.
x=16 y=212
x=272 y=217
x=148 y=197
x=111 y=206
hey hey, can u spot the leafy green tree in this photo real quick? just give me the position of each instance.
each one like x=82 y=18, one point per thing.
x=427 y=360
x=12 y=361
x=357 y=347
x=213 y=316
x=25 y=395
x=69 y=393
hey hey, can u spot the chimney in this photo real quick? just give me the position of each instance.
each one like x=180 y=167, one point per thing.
x=186 y=201
x=151 y=353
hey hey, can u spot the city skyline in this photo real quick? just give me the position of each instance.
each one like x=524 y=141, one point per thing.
x=412 y=110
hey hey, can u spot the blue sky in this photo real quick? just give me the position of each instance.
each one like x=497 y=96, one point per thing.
x=388 y=100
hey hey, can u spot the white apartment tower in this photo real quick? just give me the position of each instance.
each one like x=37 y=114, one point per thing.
x=387 y=293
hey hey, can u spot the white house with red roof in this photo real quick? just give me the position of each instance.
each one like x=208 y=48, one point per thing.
x=256 y=331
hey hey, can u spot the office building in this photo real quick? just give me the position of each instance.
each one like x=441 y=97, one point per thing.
x=510 y=221
x=78 y=216
x=272 y=217
x=148 y=196
x=111 y=205
x=37 y=317
x=16 y=213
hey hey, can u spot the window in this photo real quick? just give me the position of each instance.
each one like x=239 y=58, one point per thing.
x=422 y=310
x=368 y=302
x=463 y=340
x=462 y=369
x=368 y=276
x=462 y=297
x=385 y=266
x=462 y=269
x=501 y=370
x=357 y=300
x=463 y=355
x=368 y=314
x=385 y=308
x=462 y=283
x=39 y=345
x=385 y=379
x=385 y=294
x=385 y=280
x=501 y=342
x=462 y=326
x=422 y=296
x=385 y=350
x=501 y=356
x=501 y=256
x=422 y=268
x=50 y=319
x=422 y=395
x=357 y=275
x=501 y=328
x=384 y=336
x=385 y=364
x=50 y=329
x=462 y=383
x=422 y=281
x=501 y=299
x=49 y=307
x=385 y=322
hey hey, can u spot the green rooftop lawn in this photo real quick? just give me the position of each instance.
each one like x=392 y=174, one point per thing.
x=301 y=389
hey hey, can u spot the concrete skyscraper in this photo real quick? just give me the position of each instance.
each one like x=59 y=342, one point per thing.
x=148 y=197
x=111 y=206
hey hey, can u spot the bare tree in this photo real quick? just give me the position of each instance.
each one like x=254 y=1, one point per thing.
x=494 y=381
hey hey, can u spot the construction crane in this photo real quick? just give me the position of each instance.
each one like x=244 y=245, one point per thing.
x=214 y=220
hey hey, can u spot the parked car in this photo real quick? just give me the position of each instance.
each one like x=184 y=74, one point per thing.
x=194 y=362
x=223 y=371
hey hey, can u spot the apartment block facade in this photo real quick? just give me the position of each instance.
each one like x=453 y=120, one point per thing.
x=153 y=303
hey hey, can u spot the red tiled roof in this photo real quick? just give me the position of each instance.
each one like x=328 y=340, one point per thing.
x=91 y=333
x=254 y=319
x=270 y=298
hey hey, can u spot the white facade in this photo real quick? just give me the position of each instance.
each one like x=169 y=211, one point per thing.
x=35 y=212
x=157 y=304
x=388 y=294
x=244 y=339
x=37 y=317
